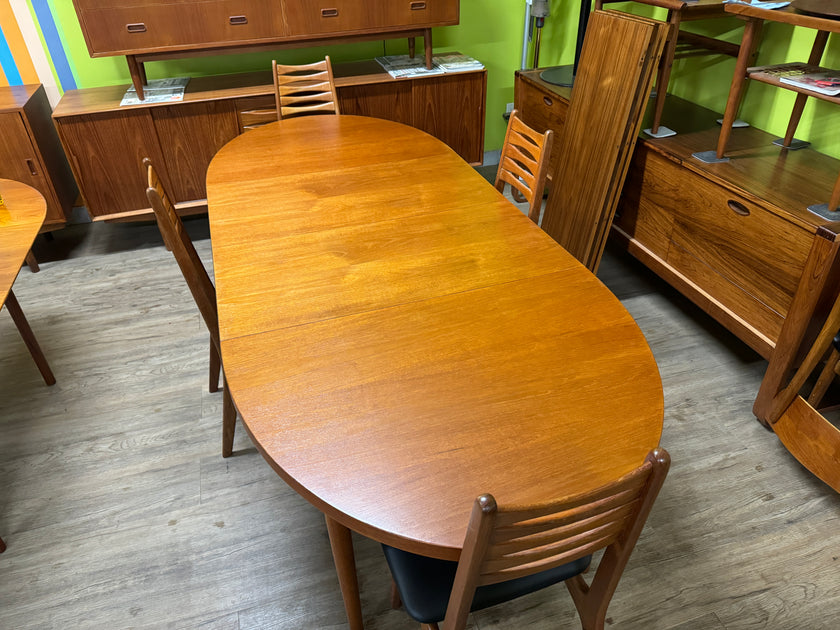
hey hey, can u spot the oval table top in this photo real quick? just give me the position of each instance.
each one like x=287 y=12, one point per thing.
x=21 y=215
x=399 y=338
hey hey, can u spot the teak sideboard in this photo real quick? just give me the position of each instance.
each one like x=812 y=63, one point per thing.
x=106 y=143
x=149 y=30
x=731 y=237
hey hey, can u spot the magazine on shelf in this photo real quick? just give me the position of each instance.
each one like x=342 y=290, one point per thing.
x=157 y=91
x=403 y=66
x=456 y=62
x=820 y=80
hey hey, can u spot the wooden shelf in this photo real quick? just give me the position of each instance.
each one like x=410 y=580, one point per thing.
x=772 y=75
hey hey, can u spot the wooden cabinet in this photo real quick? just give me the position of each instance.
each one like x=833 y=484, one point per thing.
x=30 y=151
x=106 y=143
x=145 y=30
x=542 y=105
x=731 y=237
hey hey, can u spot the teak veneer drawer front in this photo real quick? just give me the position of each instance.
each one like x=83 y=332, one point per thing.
x=645 y=208
x=135 y=28
x=336 y=16
x=745 y=243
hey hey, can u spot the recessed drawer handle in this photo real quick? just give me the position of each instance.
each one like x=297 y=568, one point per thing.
x=738 y=208
x=136 y=28
x=31 y=166
x=548 y=101
x=329 y=12
x=417 y=6
x=236 y=20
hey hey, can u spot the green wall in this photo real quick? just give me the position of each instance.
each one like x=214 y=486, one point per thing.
x=491 y=31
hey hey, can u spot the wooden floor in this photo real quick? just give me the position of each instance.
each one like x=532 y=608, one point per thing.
x=119 y=511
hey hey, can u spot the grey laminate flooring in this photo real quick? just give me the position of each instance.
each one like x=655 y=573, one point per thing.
x=119 y=511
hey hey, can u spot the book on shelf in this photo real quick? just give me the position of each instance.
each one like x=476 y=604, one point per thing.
x=802 y=75
x=402 y=66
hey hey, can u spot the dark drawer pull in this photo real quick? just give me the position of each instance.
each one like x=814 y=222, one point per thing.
x=236 y=20
x=136 y=28
x=417 y=6
x=548 y=101
x=738 y=208
x=329 y=12
x=31 y=166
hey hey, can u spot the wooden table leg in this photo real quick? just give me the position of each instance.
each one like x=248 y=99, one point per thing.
x=32 y=262
x=749 y=42
x=29 y=338
x=341 y=542
x=663 y=73
x=138 y=75
x=2 y=546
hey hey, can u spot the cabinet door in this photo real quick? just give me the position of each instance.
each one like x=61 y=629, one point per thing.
x=18 y=158
x=106 y=152
x=451 y=108
x=190 y=135
x=391 y=101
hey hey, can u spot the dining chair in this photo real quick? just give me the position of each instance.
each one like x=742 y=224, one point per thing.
x=304 y=89
x=177 y=240
x=524 y=163
x=512 y=551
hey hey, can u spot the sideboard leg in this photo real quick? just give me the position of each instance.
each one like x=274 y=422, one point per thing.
x=138 y=75
x=427 y=42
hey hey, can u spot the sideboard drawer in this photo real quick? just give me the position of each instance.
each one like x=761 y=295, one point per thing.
x=747 y=244
x=138 y=28
x=334 y=16
x=331 y=16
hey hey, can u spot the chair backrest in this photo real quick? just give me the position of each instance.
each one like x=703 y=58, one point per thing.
x=507 y=543
x=524 y=162
x=611 y=90
x=176 y=238
x=304 y=89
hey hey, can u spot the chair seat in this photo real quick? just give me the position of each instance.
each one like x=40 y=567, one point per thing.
x=425 y=584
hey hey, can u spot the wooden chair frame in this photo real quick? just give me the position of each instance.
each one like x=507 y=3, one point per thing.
x=507 y=543
x=304 y=89
x=812 y=321
x=177 y=240
x=524 y=163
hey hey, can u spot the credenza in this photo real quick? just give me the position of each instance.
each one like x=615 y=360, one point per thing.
x=106 y=143
x=732 y=237
x=149 y=30
x=31 y=153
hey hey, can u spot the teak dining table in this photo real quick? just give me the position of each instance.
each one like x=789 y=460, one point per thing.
x=22 y=214
x=399 y=338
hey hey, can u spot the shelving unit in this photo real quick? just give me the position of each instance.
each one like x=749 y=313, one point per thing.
x=755 y=19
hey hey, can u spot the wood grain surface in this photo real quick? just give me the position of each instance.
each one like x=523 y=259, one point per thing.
x=398 y=338
x=21 y=216
x=119 y=512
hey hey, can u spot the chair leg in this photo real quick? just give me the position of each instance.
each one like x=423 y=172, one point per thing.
x=228 y=421
x=29 y=338
x=215 y=367
x=2 y=546
x=396 y=601
x=824 y=380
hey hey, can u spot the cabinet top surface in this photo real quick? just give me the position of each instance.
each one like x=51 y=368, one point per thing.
x=107 y=98
x=16 y=96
